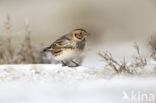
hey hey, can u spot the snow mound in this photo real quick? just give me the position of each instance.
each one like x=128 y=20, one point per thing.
x=49 y=72
x=50 y=83
x=57 y=73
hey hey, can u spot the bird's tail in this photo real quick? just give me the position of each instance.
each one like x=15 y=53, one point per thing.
x=46 y=49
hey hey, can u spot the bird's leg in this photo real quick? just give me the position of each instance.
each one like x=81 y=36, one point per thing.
x=63 y=63
x=76 y=64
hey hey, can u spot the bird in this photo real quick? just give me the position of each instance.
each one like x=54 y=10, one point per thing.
x=68 y=47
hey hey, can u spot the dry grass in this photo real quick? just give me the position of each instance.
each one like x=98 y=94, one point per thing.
x=152 y=44
x=140 y=60
x=23 y=52
x=122 y=67
x=114 y=64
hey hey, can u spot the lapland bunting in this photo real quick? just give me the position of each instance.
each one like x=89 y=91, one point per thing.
x=68 y=47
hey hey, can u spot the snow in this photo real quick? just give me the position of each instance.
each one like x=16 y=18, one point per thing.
x=51 y=83
x=92 y=82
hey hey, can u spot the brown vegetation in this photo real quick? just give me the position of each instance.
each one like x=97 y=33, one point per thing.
x=24 y=52
x=139 y=62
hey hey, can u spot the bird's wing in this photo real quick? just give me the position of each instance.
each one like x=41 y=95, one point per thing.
x=63 y=42
x=59 y=44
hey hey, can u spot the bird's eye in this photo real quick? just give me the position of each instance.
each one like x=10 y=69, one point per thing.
x=78 y=35
x=81 y=34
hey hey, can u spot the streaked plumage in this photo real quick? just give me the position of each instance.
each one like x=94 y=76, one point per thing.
x=69 y=46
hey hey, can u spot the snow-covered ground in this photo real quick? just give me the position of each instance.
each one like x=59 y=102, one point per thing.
x=40 y=83
x=92 y=82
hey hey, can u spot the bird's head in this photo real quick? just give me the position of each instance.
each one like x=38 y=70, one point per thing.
x=79 y=34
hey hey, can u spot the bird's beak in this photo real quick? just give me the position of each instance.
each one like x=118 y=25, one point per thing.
x=87 y=34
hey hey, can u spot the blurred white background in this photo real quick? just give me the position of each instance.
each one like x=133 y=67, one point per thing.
x=107 y=20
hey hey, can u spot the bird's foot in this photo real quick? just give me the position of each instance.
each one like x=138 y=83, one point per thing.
x=63 y=63
x=76 y=64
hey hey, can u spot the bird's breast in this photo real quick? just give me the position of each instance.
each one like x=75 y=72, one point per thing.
x=68 y=54
x=80 y=45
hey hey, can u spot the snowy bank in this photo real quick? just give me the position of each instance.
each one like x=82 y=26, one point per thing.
x=48 y=72
x=56 y=84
